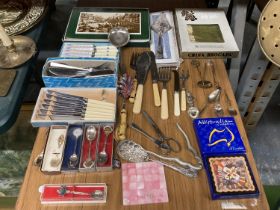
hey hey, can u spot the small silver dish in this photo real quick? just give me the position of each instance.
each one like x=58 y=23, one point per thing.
x=119 y=36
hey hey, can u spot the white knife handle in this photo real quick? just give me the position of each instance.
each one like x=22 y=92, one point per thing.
x=156 y=94
x=164 y=105
x=183 y=100
x=176 y=104
x=138 y=99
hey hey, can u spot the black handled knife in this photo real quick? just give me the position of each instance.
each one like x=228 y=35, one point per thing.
x=176 y=93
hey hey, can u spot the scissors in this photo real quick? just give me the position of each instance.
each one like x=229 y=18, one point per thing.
x=165 y=144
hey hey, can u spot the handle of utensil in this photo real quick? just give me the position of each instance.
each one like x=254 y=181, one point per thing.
x=164 y=105
x=98 y=118
x=97 y=103
x=133 y=92
x=183 y=100
x=121 y=129
x=138 y=99
x=99 y=112
x=176 y=104
x=156 y=94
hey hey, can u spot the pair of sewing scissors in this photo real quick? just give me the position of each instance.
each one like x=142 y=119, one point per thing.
x=166 y=144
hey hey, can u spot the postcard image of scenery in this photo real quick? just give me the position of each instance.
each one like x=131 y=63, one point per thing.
x=102 y=22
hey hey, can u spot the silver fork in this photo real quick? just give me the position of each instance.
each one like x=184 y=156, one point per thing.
x=132 y=64
x=183 y=77
x=164 y=77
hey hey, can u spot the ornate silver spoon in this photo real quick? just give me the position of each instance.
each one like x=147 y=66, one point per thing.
x=73 y=160
x=103 y=156
x=90 y=134
x=97 y=194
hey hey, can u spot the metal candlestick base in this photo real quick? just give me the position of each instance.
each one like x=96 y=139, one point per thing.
x=22 y=49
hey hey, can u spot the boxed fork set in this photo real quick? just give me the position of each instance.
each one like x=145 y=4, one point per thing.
x=224 y=157
x=73 y=148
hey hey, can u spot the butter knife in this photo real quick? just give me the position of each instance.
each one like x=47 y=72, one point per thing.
x=154 y=72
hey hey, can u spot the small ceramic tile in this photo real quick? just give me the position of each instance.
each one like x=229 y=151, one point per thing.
x=143 y=183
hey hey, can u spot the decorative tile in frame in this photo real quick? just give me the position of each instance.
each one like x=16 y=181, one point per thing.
x=231 y=176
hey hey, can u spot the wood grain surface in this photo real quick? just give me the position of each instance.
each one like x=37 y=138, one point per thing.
x=184 y=193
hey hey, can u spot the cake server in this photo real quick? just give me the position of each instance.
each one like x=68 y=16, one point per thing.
x=142 y=67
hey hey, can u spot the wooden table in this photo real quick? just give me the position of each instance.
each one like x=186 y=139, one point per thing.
x=184 y=193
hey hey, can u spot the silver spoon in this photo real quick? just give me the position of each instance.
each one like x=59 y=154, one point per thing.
x=103 y=156
x=90 y=134
x=73 y=160
x=212 y=97
x=97 y=194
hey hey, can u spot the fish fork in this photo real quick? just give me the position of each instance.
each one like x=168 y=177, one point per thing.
x=164 y=77
x=183 y=77
x=132 y=64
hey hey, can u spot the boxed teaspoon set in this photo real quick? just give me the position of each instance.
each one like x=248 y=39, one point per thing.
x=84 y=148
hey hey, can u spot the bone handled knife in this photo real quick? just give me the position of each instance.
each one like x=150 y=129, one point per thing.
x=154 y=72
x=176 y=93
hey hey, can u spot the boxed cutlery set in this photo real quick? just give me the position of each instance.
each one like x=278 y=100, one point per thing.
x=74 y=148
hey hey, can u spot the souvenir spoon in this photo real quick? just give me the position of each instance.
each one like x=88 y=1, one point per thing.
x=73 y=160
x=90 y=134
x=97 y=194
x=103 y=156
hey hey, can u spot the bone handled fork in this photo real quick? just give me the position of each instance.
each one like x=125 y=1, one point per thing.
x=164 y=77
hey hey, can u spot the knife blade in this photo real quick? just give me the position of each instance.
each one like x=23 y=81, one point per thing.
x=143 y=63
x=176 y=93
x=154 y=72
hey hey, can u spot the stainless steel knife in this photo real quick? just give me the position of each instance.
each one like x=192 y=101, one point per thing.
x=176 y=93
x=154 y=72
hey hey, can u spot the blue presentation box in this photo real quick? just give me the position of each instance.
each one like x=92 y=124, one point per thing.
x=218 y=136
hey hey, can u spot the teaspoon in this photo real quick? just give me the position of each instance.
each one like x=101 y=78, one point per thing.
x=103 y=156
x=73 y=160
x=90 y=134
